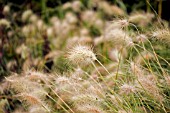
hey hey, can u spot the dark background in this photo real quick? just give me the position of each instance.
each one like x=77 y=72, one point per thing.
x=35 y=5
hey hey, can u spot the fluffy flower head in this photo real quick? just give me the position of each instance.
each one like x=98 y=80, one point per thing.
x=82 y=55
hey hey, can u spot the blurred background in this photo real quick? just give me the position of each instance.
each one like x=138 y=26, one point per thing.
x=28 y=40
x=128 y=5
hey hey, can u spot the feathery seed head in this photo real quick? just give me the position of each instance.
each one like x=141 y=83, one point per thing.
x=106 y=7
x=11 y=65
x=124 y=111
x=62 y=80
x=141 y=38
x=115 y=55
x=149 y=84
x=167 y=79
x=23 y=50
x=84 y=32
x=50 y=32
x=76 y=5
x=137 y=18
x=80 y=40
x=127 y=89
x=71 y=18
x=21 y=84
x=89 y=14
x=118 y=37
x=118 y=24
x=141 y=19
x=78 y=72
x=110 y=9
x=98 y=40
x=123 y=22
x=145 y=55
x=117 y=10
x=115 y=99
x=162 y=35
x=35 y=75
x=6 y=9
x=82 y=55
x=40 y=24
x=37 y=109
x=33 y=18
x=19 y=110
x=4 y=22
x=66 y=5
x=89 y=108
x=86 y=98
x=136 y=69
x=29 y=98
x=26 y=14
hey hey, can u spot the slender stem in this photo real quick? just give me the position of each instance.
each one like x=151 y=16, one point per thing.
x=103 y=66
x=56 y=102
x=160 y=8
x=62 y=100
x=147 y=5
